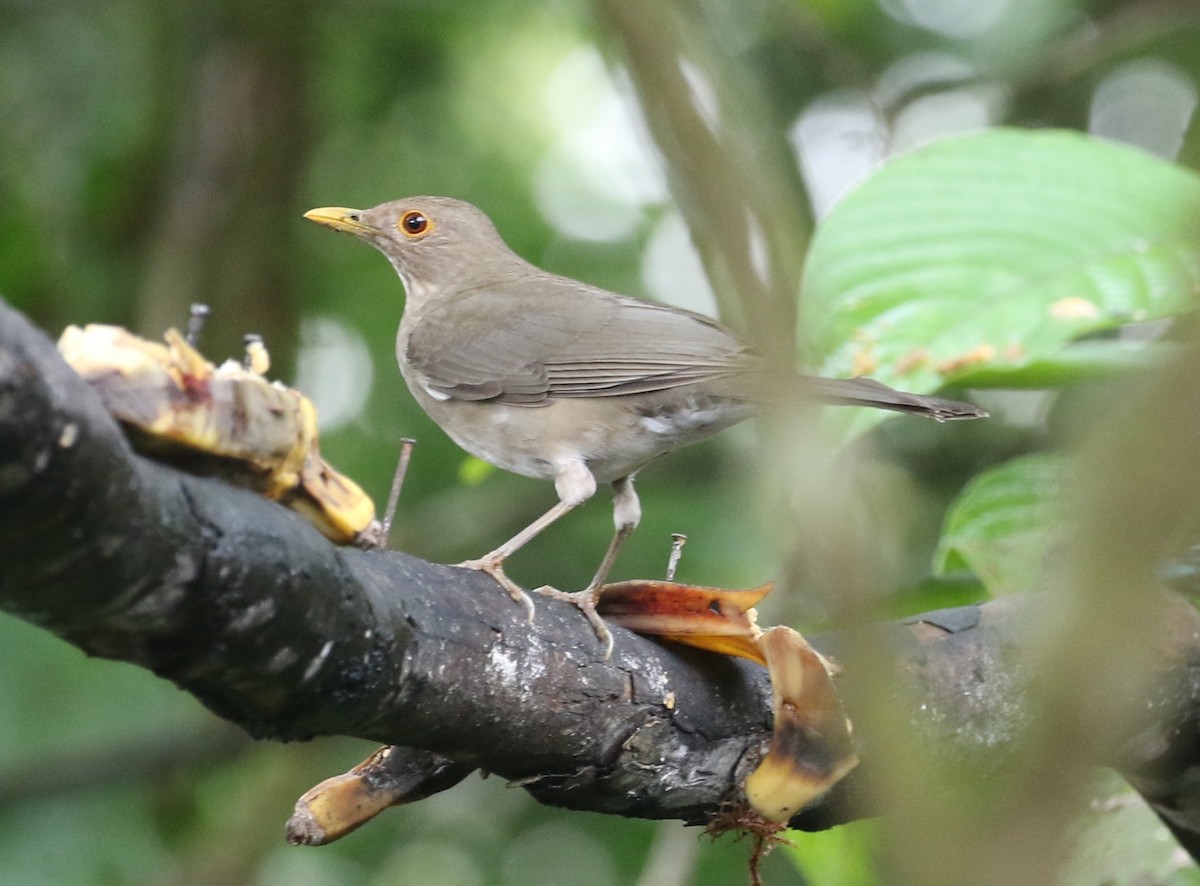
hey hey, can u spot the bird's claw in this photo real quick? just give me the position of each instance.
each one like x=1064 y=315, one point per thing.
x=495 y=568
x=585 y=601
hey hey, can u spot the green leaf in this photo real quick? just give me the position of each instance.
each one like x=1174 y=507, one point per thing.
x=841 y=856
x=1004 y=522
x=1087 y=360
x=1119 y=841
x=993 y=251
x=472 y=471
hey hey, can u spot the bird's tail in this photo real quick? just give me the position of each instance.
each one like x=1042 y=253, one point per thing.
x=868 y=392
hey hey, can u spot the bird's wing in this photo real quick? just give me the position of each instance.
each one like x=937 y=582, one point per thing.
x=566 y=340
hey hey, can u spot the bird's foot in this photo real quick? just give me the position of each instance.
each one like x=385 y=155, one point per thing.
x=494 y=566
x=586 y=601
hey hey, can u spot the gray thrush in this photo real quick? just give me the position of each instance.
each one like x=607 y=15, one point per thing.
x=549 y=377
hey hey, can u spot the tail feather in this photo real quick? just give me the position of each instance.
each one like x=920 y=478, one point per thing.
x=868 y=392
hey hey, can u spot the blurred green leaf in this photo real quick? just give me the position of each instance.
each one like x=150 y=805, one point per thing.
x=1121 y=842
x=1087 y=360
x=994 y=251
x=841 y=856
x=472 y=471
x=945 y=592
x=1004 y=522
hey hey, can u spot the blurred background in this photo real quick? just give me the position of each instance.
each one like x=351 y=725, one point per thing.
x=157 y=154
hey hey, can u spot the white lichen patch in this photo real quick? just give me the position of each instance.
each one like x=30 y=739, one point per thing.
x=68 y=436
x=158 y=604
x=315 y=664
x=254 y=615
x=281 y=660
x=503 y=663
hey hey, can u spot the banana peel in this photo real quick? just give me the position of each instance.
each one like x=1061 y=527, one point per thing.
x=715 y=619
x=228 y=421
x=811 y=743
x=392 y=776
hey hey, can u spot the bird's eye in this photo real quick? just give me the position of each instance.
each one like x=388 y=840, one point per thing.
x=414 y=223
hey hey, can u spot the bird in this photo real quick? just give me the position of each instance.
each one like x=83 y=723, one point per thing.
x=555 y=379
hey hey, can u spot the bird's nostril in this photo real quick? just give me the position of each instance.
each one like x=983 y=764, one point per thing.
x=354 y=216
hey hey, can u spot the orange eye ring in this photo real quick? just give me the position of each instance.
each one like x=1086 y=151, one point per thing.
x=414 y=224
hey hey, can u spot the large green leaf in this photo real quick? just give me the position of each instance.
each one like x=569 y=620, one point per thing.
x=992 y=251
x=1119 y=841
x=841 y=856
x=1005 y=521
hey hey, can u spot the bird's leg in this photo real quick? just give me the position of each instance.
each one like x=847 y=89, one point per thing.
x=627 y=513
x=493 y=562
x=575 y=485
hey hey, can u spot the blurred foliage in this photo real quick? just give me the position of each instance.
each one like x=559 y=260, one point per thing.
x=1005 y=523
x=990 y=253
x=157 y=154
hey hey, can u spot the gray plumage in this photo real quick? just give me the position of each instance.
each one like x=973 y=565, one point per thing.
x=552 y=378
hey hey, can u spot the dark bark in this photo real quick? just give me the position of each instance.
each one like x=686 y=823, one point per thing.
x=243 y=604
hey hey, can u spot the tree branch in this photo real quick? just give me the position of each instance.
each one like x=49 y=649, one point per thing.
x=243 y=604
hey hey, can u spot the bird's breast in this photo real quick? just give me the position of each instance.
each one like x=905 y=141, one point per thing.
x=614 y=436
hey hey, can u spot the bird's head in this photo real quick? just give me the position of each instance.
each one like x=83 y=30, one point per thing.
x=432 y=242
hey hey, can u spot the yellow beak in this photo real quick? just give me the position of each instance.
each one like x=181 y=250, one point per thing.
x=340 y=219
